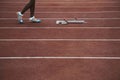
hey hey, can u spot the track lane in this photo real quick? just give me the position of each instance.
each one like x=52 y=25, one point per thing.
x=63 y=4
x=60 y=33
x=59 y=48
x=67 y=9
x=67 y=15
x=51 y=22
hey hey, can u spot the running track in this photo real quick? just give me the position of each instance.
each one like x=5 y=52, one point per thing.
x=47 y=51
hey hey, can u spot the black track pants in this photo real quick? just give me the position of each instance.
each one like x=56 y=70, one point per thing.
x=31 y=6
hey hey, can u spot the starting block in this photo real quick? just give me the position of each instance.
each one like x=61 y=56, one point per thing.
x=74 y=21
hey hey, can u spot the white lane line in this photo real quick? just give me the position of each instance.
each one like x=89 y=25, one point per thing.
x=92 y=58
x=67 y=12
x=59 y=27
x=60 y=2
x=100 y=40
x=64 y=6
x=65 y=18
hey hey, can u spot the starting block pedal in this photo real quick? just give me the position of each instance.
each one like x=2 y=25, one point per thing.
x=74 y=21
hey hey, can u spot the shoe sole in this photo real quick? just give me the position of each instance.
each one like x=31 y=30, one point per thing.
x=36 y=22
x=20 y=22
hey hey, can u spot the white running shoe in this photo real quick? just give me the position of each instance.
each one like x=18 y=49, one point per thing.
x=20 y=20
x=34 y=20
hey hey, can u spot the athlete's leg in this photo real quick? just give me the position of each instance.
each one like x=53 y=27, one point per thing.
x=20 y=14
x=28 y=6
x=31 y=6
x=32 y=9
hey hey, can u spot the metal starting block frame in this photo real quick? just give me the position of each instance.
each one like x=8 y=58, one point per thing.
x=72 y=21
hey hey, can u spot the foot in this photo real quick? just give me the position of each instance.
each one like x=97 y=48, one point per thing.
x=34 y=20
x=19 y=15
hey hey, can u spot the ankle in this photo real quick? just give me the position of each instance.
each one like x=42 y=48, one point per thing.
x=21 y=13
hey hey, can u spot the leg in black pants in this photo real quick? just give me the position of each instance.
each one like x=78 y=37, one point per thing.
x=31 y=6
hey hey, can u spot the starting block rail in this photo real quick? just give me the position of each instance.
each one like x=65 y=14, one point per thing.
x=72 y=21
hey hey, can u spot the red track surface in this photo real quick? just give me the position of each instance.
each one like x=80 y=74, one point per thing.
x=99 y=37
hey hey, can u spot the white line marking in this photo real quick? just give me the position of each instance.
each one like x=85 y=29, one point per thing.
x=101 y=40
x=61 y=18
x=59 y=27
x=65 y=6
x=95 y=58
x=60 y=2
x=67 y=12
x=74 y=6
